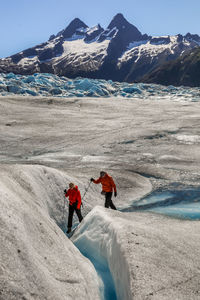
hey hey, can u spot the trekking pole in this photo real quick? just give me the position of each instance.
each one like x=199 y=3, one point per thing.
x=63 y=214
x=86 y=190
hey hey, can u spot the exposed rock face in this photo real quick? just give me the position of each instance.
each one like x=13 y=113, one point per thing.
x=183 y=71
x=74 y=28
x=93 y=33
x=120 y=52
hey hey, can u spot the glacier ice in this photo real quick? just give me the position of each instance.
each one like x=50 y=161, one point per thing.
x=154 y=251
x=37 y=260
x=148 y=256
x=181 y=202
x=48 y=84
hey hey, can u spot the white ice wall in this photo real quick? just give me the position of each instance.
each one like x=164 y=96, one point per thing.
x=102 y=237
x=37 y=260
x=150 y=256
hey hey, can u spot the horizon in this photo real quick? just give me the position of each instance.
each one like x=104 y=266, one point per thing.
x=157 y=19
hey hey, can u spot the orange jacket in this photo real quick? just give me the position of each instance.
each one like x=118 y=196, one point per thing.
x=107 y=183
x=74 y=196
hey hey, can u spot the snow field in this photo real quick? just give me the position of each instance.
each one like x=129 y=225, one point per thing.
x=80 y=50
x=147 y=46
x=37 y=260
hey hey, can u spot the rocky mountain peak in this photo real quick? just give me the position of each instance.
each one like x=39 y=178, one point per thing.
x=73 y=27
x=93 y=33
x=118 y=21
x=125 y=28
x=120 y=52
x=194 y=37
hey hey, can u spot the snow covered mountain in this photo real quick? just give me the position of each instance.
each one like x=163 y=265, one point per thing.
x=120 y=52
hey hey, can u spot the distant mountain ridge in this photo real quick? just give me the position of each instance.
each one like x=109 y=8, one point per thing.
x=120 y=52
x=185 y=71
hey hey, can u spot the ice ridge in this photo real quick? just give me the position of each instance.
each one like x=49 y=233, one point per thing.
x=51 y=85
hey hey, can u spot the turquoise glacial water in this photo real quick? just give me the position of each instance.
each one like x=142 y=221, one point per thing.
x=182 y=203
x=107 y=289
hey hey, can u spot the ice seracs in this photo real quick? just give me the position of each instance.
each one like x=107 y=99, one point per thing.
x=49 y=84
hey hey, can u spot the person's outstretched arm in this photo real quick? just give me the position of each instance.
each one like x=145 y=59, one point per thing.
x=96 y=181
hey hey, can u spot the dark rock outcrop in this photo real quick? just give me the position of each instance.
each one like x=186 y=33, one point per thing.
x=183 y=71
x=90 y=36
x=73 y=28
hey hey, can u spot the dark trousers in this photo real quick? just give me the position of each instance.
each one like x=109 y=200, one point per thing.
x=73 y=208
x=108 y=200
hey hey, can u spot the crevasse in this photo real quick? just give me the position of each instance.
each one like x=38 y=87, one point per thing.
x=99 y=239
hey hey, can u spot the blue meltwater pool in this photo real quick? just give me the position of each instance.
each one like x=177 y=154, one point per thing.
x=183 y=203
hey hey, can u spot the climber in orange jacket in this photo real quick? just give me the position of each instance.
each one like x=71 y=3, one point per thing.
x=108 y=186
x=74 y=204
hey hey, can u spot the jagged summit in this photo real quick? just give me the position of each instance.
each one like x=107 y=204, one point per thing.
x=190 y=36
x=73 y=27
x=70 y=30
x=119 y=52
x=118 y=21
x=93 y=33
x=124 y=27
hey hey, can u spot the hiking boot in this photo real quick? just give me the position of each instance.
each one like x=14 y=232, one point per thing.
x=69 y=230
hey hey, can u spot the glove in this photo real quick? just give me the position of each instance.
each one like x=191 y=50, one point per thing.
x=115 y=194
x=92 y=179
x=65 y=191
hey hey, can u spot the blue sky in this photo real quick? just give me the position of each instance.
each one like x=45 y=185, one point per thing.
x=26 y=23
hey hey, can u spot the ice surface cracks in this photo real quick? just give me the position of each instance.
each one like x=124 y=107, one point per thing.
x=175 y=285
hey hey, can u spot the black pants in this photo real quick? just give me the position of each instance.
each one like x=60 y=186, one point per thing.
x=73 y=208
x=108 y=200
